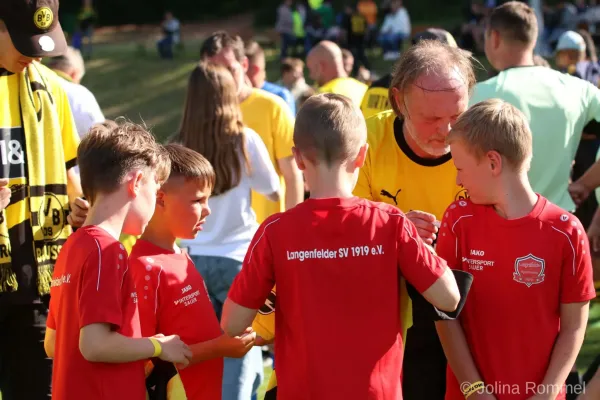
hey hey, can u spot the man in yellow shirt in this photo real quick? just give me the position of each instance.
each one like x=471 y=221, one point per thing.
x=35 y=117
x=266 y=114
x=326 y=68
x=409 y=165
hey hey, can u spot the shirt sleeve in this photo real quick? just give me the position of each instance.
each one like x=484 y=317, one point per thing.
x=577 y=280
x=283 y=131
x=363 y=185
x=263 y=178
x=416 y=261
x=254 y=283
x=100 y=295
x=147 y=285
x=447 y=242
x=70 y=137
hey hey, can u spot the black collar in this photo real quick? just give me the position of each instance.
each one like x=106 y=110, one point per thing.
x=4 y=72
x=401 y=140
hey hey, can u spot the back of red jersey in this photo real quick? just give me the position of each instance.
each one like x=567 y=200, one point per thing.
x=523 y=269
x=337 y=264
x=90 y=285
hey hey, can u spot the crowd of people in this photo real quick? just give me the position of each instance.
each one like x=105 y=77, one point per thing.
x=421 y=237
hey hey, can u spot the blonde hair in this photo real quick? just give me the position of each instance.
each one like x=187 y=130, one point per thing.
x=212 y=124
x=425 y=58
x=495 y=125
x=329 y=128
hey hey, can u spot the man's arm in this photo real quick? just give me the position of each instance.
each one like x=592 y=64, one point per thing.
x=294 y=186
x=223 y=346
x=99 y=343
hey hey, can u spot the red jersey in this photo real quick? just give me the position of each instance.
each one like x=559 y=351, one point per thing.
x=173 y=301
x=91 y=285
x=337 y=264
x=523 y=270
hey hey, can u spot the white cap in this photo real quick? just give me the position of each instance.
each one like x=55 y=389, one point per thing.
x=570 y=40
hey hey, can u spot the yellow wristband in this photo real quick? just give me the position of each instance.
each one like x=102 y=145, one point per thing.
x=474 y=387
x=157 y=347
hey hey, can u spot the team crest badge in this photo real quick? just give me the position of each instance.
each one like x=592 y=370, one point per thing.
x=529 y=270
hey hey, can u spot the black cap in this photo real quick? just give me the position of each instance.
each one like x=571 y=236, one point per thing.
x=33 y=27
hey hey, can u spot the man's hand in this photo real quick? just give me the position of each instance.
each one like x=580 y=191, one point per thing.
x=79 y=210
x=174 y=350
x=4 y=193
x=238 y=346
x=579 y=192
x=425 y=224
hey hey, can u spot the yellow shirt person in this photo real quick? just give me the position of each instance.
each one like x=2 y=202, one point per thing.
x=269 y=116
x=349 y=87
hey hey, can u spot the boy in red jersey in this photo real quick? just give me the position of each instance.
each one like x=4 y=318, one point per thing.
x=172 y=294
x=524 y=321
x=337 y=282
x=93 y=326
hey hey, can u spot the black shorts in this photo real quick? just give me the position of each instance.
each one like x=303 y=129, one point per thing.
x=25 y=370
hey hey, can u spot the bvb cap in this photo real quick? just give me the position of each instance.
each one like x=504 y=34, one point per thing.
x=33 y=27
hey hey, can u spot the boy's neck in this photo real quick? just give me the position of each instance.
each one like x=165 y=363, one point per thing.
x=516 y=199
x=330 y=183
x=158 y=235
x=109 y=214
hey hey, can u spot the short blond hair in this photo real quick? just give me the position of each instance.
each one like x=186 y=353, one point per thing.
x=495 y=125
x=329 y=128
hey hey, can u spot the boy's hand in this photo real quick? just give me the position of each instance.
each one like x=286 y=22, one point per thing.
x=4 y=194
x=174 y=350
x=425 y=224
x=79 y=210
x=238 y=346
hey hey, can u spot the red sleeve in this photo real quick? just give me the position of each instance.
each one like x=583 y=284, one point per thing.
x=257 y=277
x=416 y=261
x=577 y=280
x=447 y=246
x=100 y=295
x=50 y=322
x=147 y=280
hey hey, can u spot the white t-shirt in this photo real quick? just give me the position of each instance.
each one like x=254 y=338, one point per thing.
x=84 y=106
x=232 y=223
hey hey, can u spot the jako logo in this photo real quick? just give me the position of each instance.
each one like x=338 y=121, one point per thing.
x=477 y=253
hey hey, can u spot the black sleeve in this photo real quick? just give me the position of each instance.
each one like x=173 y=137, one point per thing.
x=423 y=310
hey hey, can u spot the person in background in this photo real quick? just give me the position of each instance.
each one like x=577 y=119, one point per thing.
x=570 y=51
x=37 y=173
x=355 y=27
x=368 y=9
x=258 y=75
x=395 y=30
x=348 y=60
x=326 y=68
x=82 y=40
x=70 y=67
x=284 y=25
x=171 y=30
x=325 y=10
x=212 y=125
x=315 y=31
x=292 y=78
x=299 y=17
x=268 y=115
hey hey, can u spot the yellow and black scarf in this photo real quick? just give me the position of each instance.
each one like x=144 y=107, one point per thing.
x=37 y=213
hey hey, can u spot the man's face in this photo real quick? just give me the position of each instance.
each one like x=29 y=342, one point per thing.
x=473 y=172
x=257 y=71
x=291 y=77
x=226 y=58
x=429 y=114
x=10 y=58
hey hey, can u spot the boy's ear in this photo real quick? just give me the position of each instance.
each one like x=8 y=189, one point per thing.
x=495 y=38
x=135 y=179
x=362 y=155
x=495 y=161
x=298 y=157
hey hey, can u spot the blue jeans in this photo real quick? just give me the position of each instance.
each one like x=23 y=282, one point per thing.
x=391 y=41
x=241 y=376
x=287 y=40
